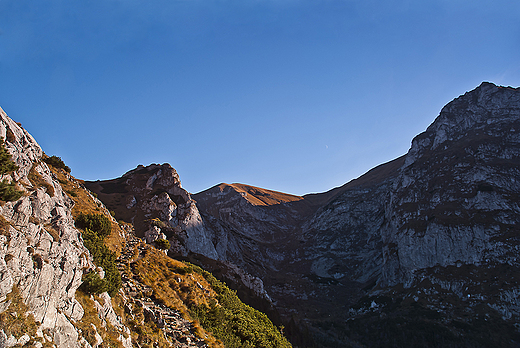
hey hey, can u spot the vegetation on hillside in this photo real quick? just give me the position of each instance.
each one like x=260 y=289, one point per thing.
x=6 y=163
x=162 y=244
x=16 y=320
x=95 y=228
x=85 y=203
x=57 y=162
x=175 y=284
x=201 y=296
x=234 y=322
x=391 y=321
x=98 y=223
x=90 y=317
x=8 y=190
x=38 y=181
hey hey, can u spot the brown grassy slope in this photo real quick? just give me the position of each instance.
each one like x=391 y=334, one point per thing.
x=260 y=196
x=176 y=286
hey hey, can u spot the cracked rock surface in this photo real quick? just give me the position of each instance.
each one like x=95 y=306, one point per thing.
x=41 y=252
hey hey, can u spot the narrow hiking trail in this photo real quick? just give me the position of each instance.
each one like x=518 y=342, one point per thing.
x=178 y=331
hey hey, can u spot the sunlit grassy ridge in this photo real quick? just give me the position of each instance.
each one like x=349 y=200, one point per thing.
x=85 y=203
x=199 y=295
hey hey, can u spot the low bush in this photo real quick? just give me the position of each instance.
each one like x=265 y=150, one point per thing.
x=9 y=192
x=162 y=244
x=98 y=223
x=6 y=163
x=234 y=322
x=95 y=228
x=57 y=162
x=93 y=284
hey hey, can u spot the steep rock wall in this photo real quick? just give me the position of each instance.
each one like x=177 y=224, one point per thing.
x=41 y=252
x=456 y=198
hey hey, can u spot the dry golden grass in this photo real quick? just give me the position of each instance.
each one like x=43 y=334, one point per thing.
x=260 y=196
x=145 y=333
x=108 y=333
x=176 y=286
x=4 y=226
x=37 y=181
x=52 y=231
x=15 y=320
x=173 y=281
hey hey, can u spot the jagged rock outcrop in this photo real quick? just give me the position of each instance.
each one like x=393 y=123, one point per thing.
x=42 y=255
x=456 y=198
x=155 y=192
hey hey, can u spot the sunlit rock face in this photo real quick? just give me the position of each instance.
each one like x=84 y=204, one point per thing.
x=47 y=286
x=42 y=256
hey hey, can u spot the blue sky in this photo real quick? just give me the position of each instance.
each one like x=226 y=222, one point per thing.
x=291 y=95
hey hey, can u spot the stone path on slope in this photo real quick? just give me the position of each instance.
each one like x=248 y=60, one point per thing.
x=178 y=330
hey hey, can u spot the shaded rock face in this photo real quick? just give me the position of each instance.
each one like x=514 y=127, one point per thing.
x=153 y=199
x=449 y=205
x=455 y=204
x=254 y=222
x=314 y=253
x=41 y=252
x=437 y=226
x=456 y=198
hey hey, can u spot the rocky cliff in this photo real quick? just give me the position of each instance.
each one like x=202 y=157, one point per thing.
x=456 y=197
x=42 y=256
x=423 y=246
x=153 y=199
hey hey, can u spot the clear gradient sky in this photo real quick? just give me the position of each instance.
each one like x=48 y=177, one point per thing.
x=291 y=95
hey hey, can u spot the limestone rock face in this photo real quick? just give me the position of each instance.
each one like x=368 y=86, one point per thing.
x=47 y=253
x=456 y=198
x=41 y=252
x=153 y=199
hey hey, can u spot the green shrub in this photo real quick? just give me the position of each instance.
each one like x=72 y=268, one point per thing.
x=95 y=228
x=93 y=284
x=57 y=162
x=234 y=322
x=103 y=258
x=8 y=191
x=98 y=223
x=6 y=163
x=162 y=244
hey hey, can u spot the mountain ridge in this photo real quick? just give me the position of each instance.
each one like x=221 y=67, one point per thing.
x=385 y=232
x=419 y=251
